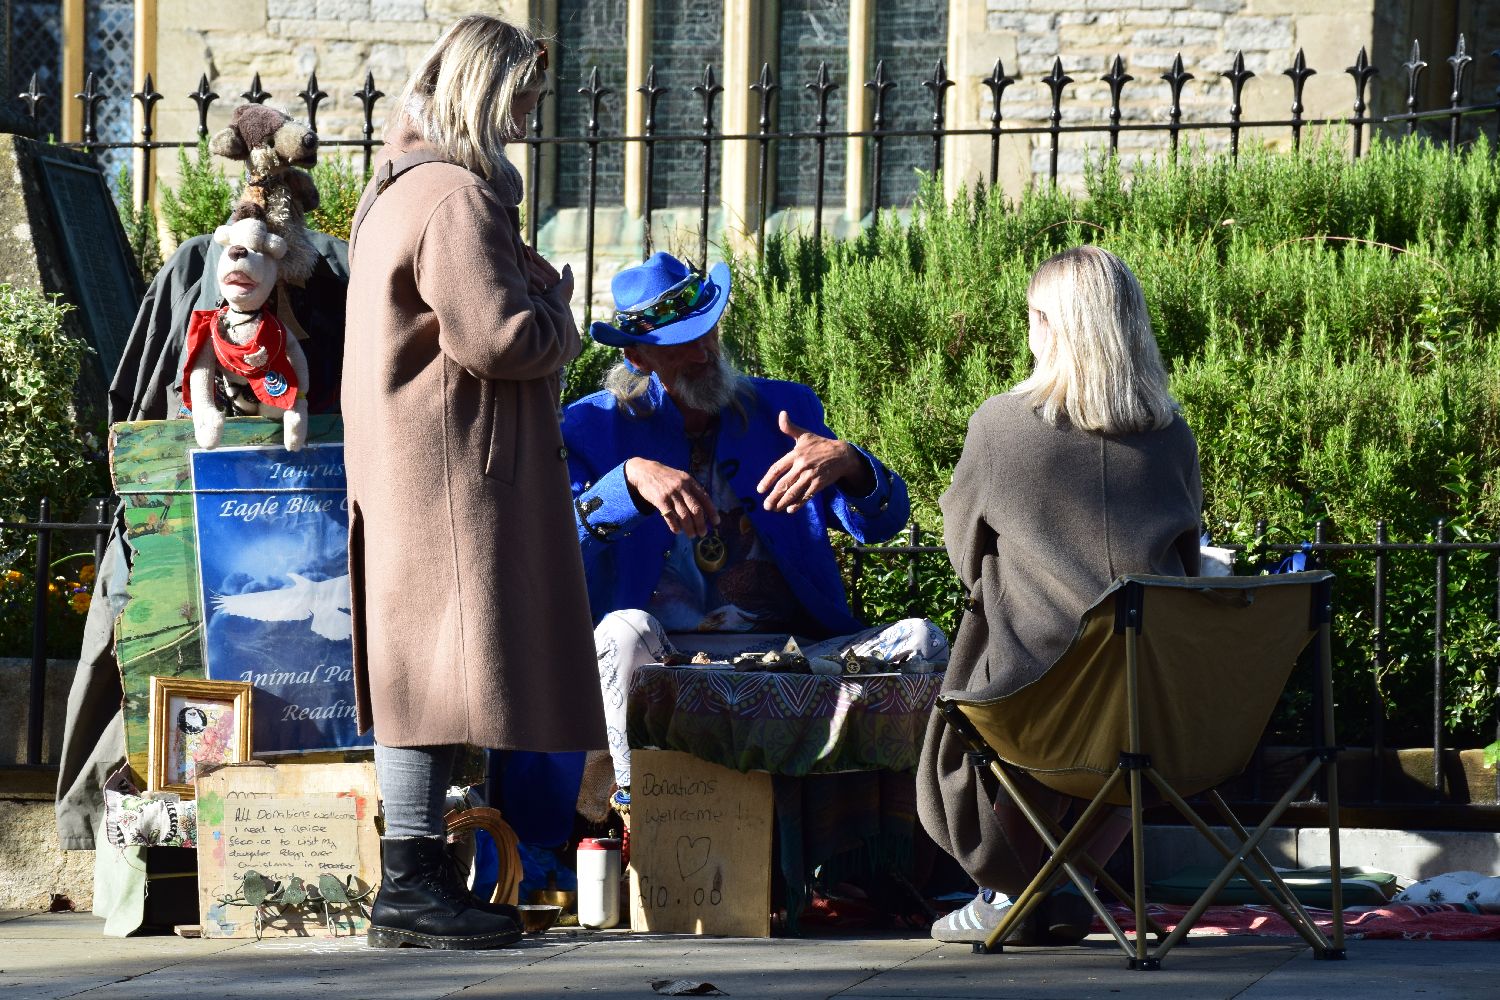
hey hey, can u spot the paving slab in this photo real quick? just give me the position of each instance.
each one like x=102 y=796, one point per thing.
x=59 y=956
x=50 y=955
x=1391 y=970
x=785 y=968
x=343 y=969
x=1095 y=970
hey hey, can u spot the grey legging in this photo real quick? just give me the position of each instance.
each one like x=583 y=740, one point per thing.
x=414 y=786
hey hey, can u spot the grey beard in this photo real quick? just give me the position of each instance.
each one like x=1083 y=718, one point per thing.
x=711 y=392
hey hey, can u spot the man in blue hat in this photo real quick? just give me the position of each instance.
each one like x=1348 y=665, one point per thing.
x=703 y=499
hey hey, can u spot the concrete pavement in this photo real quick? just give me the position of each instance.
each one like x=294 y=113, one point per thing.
x=49 y=956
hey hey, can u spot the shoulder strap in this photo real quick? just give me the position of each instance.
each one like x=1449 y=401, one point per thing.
x=384 y=177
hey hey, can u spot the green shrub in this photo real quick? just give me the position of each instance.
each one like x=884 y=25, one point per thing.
x=340 y=183
x=202 y=199
x=44 y=452
x=1330 y=327
x=140 y=227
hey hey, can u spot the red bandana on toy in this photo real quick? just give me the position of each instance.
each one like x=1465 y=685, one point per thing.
x=274 y=382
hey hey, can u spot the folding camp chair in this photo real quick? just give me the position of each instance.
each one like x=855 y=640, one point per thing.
x=1163 y=694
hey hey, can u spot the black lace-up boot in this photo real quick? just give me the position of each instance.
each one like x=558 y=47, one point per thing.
x=421 y=904
x=458 y=883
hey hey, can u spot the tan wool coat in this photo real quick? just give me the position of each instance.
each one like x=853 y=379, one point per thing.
x=471 y=619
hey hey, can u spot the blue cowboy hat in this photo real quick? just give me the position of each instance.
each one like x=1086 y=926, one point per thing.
x=663 y=302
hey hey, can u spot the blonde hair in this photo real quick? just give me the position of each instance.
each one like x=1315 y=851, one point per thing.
x=460 y=96
x=1100 y=368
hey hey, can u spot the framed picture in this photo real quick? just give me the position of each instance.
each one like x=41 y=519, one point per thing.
x=195 y=725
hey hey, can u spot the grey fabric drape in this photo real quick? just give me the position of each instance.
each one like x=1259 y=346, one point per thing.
x=145 y=387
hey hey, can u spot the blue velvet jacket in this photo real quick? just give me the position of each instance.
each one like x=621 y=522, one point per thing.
x=624 y=550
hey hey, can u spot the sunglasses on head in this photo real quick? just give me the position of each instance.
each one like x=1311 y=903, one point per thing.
x=672 y=304
x=541 y=56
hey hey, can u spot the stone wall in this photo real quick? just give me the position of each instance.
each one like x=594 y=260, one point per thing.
x=33 y=869
x=1149 y=34
x=284 y=41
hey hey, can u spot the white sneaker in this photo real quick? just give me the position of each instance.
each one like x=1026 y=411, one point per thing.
x=976 y=919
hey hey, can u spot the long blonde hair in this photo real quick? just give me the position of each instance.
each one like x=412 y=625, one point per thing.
x=460 y=96
x=1100 y=368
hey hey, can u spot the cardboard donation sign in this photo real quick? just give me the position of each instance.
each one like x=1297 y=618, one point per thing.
x=307 y=825
x=700 y=847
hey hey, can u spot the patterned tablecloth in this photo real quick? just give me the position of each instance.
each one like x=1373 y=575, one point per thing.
x=787 y=724
x=810 y=732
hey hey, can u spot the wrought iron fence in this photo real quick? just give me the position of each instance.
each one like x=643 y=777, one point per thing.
x=45 y=529
x=1258 y=556
x=1262 y=555
x=767 y=137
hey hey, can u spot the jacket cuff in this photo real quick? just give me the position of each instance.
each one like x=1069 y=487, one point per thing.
x=605 y=509
x=878 y=500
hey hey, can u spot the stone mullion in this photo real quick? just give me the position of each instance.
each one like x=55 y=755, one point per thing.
x=859 y=109
x=745 y=44
x=74 y=30
x=637 y=57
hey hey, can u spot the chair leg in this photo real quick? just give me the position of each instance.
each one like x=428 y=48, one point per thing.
x=1325 y=658
x=1337 y=950
x=1106 y=880
x=1308 y=932
x=1267 y=869
x=1059 y=863
x=1142 y=960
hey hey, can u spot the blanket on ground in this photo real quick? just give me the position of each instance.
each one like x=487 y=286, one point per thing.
x=1394 y=921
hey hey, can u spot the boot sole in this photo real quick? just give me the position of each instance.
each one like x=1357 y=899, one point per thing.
x=394 y=937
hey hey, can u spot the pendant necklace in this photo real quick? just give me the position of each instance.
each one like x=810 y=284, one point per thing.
x=709 y=552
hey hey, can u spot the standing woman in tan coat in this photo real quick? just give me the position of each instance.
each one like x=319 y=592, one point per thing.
x=471 y=620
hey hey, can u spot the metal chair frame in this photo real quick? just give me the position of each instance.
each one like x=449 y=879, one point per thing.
x=1135 y=768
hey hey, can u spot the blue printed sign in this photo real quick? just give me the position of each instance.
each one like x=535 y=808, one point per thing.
x=273 y=565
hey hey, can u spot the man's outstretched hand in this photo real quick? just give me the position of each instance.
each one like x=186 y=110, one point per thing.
x=814 y=464
x=679 y=499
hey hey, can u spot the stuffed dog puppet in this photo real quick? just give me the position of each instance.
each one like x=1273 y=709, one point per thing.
x=240 y=356
x=272 y=146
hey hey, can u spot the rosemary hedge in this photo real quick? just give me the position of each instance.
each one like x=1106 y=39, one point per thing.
x=1331 y=331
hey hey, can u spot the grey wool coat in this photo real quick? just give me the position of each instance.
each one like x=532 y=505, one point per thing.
x=471 y=620
x=1038 y=520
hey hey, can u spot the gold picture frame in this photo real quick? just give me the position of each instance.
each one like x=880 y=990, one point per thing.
x=195 y=725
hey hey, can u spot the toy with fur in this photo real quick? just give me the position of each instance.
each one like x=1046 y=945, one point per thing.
x=240 y=355
x=273 y=146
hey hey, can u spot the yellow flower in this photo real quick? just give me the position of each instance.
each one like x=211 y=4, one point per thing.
x=12 y=578
x=79 y=602
x=86 y=574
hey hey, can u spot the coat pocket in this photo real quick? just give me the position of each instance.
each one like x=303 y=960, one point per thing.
x=500 y=455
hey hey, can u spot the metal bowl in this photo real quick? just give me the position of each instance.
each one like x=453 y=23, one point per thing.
x=537 y=917
x=564 y=898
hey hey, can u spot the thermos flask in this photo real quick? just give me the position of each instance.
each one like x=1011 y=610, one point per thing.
x=599 y=882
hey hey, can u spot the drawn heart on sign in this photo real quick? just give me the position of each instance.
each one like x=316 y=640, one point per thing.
x=692 y=854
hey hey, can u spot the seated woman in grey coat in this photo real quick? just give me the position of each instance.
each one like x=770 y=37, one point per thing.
x=1081 y=473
